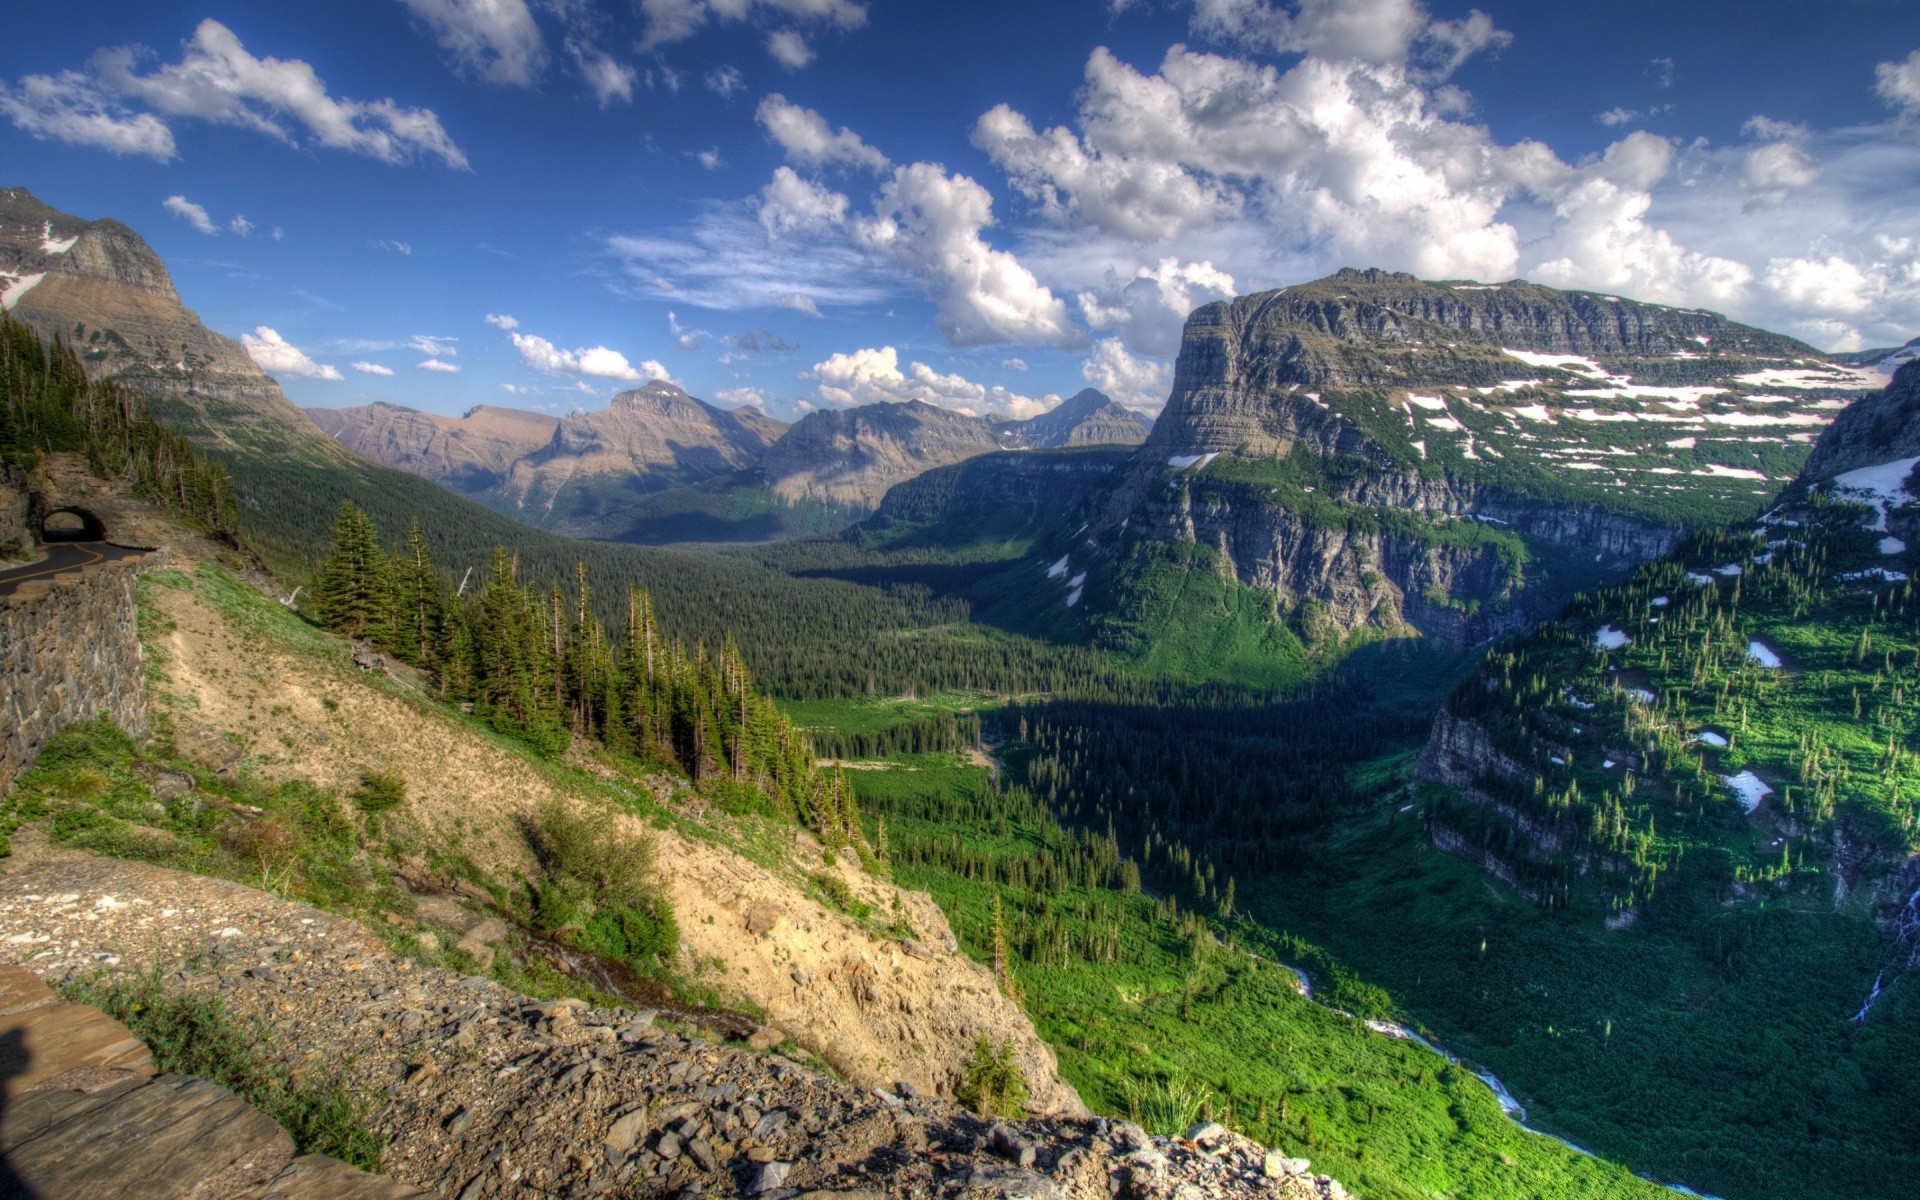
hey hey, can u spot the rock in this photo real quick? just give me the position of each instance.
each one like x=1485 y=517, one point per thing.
x=626 y=1131
x=1279 y=1166
x=766 y=1038
x=762 y=917
x=1015 y=1149
x=668 y=1146
x=480 y=940
x=1206 y=1133
x=771 y=1175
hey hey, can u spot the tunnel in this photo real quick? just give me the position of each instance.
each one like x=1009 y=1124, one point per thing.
x=71 y=525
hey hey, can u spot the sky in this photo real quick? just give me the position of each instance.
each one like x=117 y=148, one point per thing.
x=806 y=204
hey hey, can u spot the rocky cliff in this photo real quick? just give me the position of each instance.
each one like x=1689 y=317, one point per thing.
x=852 y=456
x=102 y=288
x=1880 y=427
x=1382 y=453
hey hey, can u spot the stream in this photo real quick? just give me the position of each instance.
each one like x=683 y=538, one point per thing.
x=1511 y=1106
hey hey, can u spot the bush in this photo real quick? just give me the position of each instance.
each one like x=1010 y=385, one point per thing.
x=380 y=791
x=834 y=891
x=587 y=846
x=992 y=1085
x=641 y=934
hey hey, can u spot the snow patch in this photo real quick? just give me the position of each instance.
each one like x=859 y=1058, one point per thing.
x=1432 y=403
x=17 y=288
x=1716 y=471
x=1748 y=788
x=1073 y=597
x=1078 y=581
x=1609 y=638
x=1710 y=738
x=1181 y=462
x=1883 y=486
x=50 y=244
x=1058 y=569
x=1446 y=423
x=1660 y=601
x=1685 y=443
x=1535 y=412
x=1566 y=362
x=1759 y=652
x=1421 y=446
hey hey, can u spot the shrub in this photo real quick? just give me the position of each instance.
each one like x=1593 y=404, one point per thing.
x=834 y=891
x=641 y=934
x=586 y=846
x=991 y=1084
x=380 y=791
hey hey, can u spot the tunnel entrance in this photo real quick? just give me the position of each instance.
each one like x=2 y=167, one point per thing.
x=72 y=525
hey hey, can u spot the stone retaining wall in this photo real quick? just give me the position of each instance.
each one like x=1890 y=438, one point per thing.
x=69 y=651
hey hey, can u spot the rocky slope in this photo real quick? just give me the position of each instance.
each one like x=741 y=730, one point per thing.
x=480 y=1092
x=101 y=287
x=1882 y=427
x=852 y=456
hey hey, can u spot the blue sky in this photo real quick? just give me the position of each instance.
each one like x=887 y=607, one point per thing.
x=805 y=203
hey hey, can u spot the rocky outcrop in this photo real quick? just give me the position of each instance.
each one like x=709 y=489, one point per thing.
x=69 y=651
x=1880 y=427
x=18 y=534
x=99 y=286
x=482 y=1093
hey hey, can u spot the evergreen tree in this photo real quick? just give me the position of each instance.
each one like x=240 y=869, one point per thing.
x=356 y=589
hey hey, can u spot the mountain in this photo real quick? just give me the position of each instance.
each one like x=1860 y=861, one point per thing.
x=1884 y=359
x=566 y=473
x=851 y=456
x=468 y=453
x=1087 y=418
x=98 y=285
x=1702 y=780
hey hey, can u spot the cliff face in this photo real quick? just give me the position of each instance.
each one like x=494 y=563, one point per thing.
x=1086 y=418
x=852 y=456
x=1880 y=427
x=102 y=288
x=467 y=454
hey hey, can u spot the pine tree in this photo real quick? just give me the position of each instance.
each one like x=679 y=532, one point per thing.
x=356 y=592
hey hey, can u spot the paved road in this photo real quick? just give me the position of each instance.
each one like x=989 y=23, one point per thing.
x=62 y=557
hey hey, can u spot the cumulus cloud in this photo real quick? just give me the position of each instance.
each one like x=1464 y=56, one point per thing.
x=217 y=80
x=710 y=160
x=240 y=226
x=1139 y=383
x=726 y=82
x=792 y=205
x=1898 y=83
x=789 y=48
x=684 y=337
x=434 y=364
x=676 y=20
x=597 y=361
x=193 y=214
x=370 y=368
x=805 y=137
x=494 y=40
x=1150 y=309
x=741 y=397
x=1779 y=166
x=870 y=376
x=609 y=79
x=1381 y=32
x=278 y=356
x=930 y=222
x=71 y=107
x=502 y=322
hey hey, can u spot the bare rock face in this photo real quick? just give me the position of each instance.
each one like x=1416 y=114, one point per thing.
x=98 y=285
x=852 y=456
x=467 y=453
x=1879 y=428
x=1087 y=418
x=647 y=439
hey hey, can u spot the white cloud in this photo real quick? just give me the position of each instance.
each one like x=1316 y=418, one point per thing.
x=217 y=80
x=432 y=346
x=1150 y=310
x=240 y=226
x=1013 y=364
x=543 y=355
x=72 y=108
x=676 y=20
x=502 y=322
x=275 y=354
x=1775 y=169
x=726 y=82
x=434 y=364
x=401 y=248
x=789 y=48
x=1140 y=383
x=1830 y=285
x=740 y=396
x=193 y=214
x=494 y=40
x=609 y=78
x=1380 y=32
x=1898 y=83
x=710 y=160
x=870 y=376
x=790 y=205
x=930 y=222
x=684 y=337
x=368 y=368
x=806 y=138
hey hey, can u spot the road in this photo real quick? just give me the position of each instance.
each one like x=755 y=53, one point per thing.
x=62 y=557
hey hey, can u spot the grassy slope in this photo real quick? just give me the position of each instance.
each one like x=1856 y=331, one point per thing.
x=1711 y=1040
x=1166 y=1030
